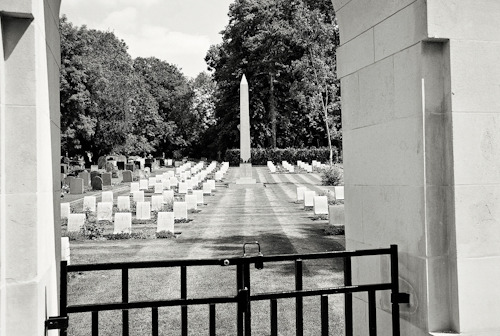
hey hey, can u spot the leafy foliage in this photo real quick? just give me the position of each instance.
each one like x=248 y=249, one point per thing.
x=260 y=156
x=332 y=176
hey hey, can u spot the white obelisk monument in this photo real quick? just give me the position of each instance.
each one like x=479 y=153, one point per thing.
x=245 y=170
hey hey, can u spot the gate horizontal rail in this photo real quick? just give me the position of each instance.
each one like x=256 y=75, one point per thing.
x=243 y=298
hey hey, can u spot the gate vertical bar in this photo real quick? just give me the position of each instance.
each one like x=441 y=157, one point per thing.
x=184 y=309
x=154 y=321
x=348 y=297
x=212 y=319
x=95 y=323
x=299 y=303
x=248 y=312
x=324 y=316
x=239 y=286
x=395 y=290
x=274 y=317
x=125 y=300
x=63 y=299
x=372 y=313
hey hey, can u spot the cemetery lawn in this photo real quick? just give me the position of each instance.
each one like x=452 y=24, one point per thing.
x=229 y=218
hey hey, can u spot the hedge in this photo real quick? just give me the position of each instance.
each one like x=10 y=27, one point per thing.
x=260 y=156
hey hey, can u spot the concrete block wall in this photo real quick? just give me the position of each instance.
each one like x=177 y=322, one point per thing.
x=420 y=101
x=29 y=151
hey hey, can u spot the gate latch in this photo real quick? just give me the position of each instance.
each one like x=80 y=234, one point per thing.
x=59 y=322
x=259 y=264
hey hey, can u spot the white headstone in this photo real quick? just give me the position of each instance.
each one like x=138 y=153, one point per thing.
x=65 y=210
x=89 y=203
x=211 y=183
x=158 y=188
x=105 y=211
x=65 y=250
x=123 y=222
x=300 y=193
x=165 y=222
x=309 y=198
x=169 y=162
x=166 y=184
x=134 y=186
x=339 y=192
x=182 y=188
x=156 y=202
x=199 y=196
x=180 y=210
x=138 y=196
x=168 y=196
x=75 y=222
x=107 y=196
x=143 y=184
x=151 y=181
x=143 y=210
x=219 y=175
x=189 y=184
x=123 y=203
x=207 y=190
x=173 y=182
x=320 y=205
x=191 y=201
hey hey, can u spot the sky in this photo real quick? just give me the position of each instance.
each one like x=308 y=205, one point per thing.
x=177 y=31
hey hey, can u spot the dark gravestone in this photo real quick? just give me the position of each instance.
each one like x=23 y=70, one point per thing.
x=120 y=165
x=96 y=183
x=130 y=166
x=76 y=186
x=109 y=167
x=93 y=174
x=162 y=163
x=69 y=179
x=127 y=176
x=148 y=165
x=85 y=175
x=106 y=179
x=137 y=164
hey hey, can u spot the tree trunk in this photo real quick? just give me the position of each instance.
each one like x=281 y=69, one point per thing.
x=272 y=111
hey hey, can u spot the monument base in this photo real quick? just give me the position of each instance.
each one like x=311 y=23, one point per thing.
x=245 y=179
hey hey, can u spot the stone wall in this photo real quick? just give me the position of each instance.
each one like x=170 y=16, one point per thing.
x=420 y=103
x=29 y=161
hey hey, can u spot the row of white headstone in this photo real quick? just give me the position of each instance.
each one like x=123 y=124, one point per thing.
x=123 y=220
x=305 y=166
x=319 y=203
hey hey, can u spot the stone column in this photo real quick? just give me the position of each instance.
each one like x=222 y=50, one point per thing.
x=29 y=161
x=421 y=123
x=245 y=153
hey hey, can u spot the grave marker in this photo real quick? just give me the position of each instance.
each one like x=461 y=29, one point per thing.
x=180 y=210
x=191 y=202
x=76 y=186
x=168 y=196
x=339 y=192
x=309 y=198
x=127 y=176
x=89 y=203
x=96 y=183
x=105 y=211
x=107 y=196
x=106 y=179
x=138 y=196
x=158 y=188
x=122 y=223
x=123 y=203
x=199 y=196
x=143 y=210
x=143 y=184
x=75 y=222
x=320 y=205
x=182 y=188
x=165 y=222
x=85 y=175
x=134 y=186
x=156 y=202
x=65 y=210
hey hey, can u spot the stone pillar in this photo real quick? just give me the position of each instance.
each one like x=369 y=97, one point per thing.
x=29 y=164
x=421 y=122
x=245 y=153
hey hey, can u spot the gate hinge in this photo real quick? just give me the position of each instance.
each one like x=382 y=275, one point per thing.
x=400 y=298
x=58 y=322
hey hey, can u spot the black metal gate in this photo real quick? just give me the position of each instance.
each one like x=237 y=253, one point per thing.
x=244 y=297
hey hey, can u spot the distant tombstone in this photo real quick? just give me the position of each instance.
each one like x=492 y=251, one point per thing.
x=65 y=210
x=158 y=188
x=134 y=186
x=123 y=203
x=105 y=211
x=339 y=192
x=165 y=222
x=173 y=182
x=218 y=176
x=182 y=188
x=130 y=166
x=336 y=214
x=106 y=179
x=147 y=169
x=151 y=181
x=65 y=250
x=300 y=193
x=138 y=196
x=94 y=173
x=122 y=223
x=156 y=202
x=199 y=196
x=168 y=196
x=211 y=183
x=207 y=190
x=143 y=184
x=96 y=183
x=162 y=162
x=189 y=184
x=94 y=168
x=109 y=167
x=107 y=196
x=120 y=165
x=143 y=210
x=191 y=202
x=180 y=210
x=309 y=198
x=169 y=162
x=76 y=186
x=127 y=176
x=166 y=183
x=320 y=205
x=137 y=164
x=89 y=203
x=75 y=222
x=85 y=175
